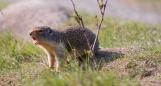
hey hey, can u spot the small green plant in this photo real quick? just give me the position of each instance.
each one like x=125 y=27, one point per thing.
x=131 y=65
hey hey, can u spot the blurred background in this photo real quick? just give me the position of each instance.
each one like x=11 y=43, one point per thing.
x=26 y=14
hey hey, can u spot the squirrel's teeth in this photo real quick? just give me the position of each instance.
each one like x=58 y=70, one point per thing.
x=35 y=42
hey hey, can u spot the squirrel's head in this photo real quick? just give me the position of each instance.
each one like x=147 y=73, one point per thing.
x=40 y=34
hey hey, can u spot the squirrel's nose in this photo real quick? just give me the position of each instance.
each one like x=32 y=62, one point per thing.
x=30 y=33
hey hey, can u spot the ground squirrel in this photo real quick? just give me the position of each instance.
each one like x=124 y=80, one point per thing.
x=56 y=42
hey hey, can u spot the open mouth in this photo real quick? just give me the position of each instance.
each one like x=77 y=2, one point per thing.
x=35 y=40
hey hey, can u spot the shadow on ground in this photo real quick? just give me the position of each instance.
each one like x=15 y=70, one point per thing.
x=108 y=55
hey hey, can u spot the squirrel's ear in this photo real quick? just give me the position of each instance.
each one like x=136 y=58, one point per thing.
x=49 y=30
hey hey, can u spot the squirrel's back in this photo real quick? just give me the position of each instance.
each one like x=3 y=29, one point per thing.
x=74 y=37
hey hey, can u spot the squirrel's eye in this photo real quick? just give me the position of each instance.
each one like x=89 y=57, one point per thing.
x=40 y=31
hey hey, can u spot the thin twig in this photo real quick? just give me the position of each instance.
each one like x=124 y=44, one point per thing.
x=1 y=12
x=81 y=24
x=102 y=18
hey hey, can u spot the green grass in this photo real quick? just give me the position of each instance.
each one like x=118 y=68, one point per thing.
x=15 y=51
x=23 y=63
